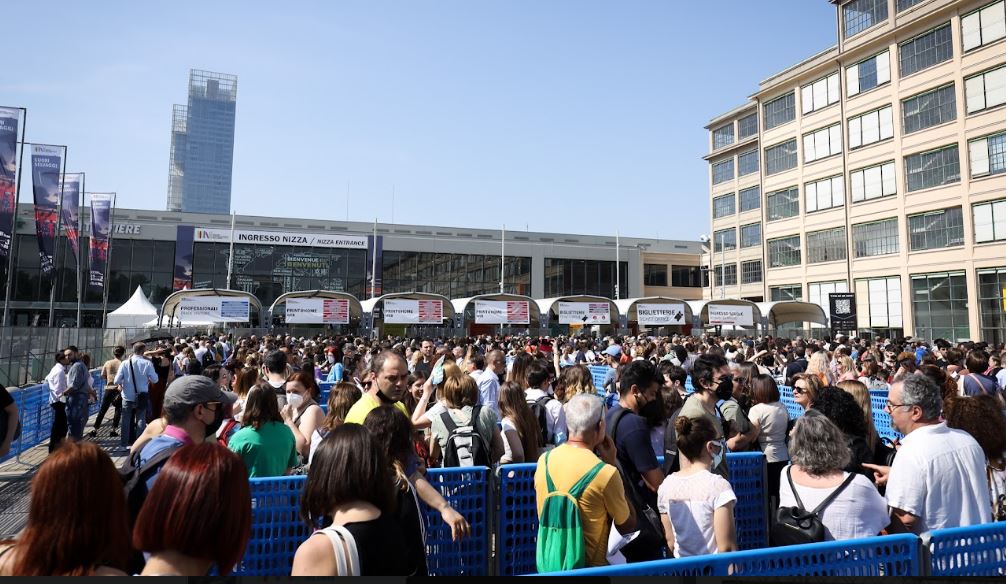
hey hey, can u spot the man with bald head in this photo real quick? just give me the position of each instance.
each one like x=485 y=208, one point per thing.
x=389 y=379
x=489 y=381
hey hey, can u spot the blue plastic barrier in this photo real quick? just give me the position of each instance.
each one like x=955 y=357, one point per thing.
x=326 y=389
x=517 y=537
x=518 y=514
x=468 y=491
x=794 y=409
x=277 y=530
x=35 y=415
x=893 y=555
x=979 y=550
x=276 y=527
x=881 y=419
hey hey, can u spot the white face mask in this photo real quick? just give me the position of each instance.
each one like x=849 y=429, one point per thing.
x=331 y=358
x=294 y=399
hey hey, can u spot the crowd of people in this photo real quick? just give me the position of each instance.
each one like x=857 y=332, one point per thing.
x=200 y=416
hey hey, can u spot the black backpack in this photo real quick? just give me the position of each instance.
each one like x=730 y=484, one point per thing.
x=796 y=525
x=208 y=359
x=134 y=479
x=671 y=462
x=541 y=414
x=465 y=446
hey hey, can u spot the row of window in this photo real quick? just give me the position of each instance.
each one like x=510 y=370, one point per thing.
x=939 y=303
x=681 y=276
x=746 y=127
x=978 y=28
x=938 y=229
x=726 y=274
x=747 y=163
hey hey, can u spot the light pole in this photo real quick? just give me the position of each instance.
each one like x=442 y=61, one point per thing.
x=709 y=249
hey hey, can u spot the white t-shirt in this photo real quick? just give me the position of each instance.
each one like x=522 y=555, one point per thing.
x=939 y=476
x=858 y=511
x=690 y=502
x=772 y=419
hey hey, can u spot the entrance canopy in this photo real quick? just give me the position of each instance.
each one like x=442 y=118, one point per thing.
x=550 y=308
x=355 y=308
x=411 y=313
x=667 y=310
x=731 y=312
x=786 y=311
x=136 y=312
x=170 y=307
x=533 y=312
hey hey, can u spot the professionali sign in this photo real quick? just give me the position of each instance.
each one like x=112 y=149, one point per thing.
x=282 y=238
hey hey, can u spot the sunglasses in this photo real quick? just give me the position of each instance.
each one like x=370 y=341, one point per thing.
x=799 y=390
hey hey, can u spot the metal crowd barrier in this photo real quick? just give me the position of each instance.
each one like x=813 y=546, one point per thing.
x=517 y=534
x=277 y=530
x=35 y=414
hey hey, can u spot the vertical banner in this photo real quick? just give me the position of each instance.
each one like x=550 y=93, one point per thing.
x=101 y=230
x=46 y=162
x=374 y=248
x=69 y=211
x=183 y=258
x=842 y=312
x=8 y=177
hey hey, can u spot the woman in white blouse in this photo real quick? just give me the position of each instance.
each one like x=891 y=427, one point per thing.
x=818 y=453
x=769 y=420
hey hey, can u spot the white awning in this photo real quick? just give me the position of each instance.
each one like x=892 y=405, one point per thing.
x=627 y=306
x=170 y=305
x=786 y=311
x=701 y=308
x=355 y=308
x=534 y=313
x=550 y=306
x=369 y=304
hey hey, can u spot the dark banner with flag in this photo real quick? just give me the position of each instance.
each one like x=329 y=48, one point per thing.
x=46 y=162
x=101 y=230
x=184 y=238
x=70 y=212
x=8 y=177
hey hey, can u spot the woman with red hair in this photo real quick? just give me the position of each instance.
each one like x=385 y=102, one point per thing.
x=77 y=523
x=197 y=515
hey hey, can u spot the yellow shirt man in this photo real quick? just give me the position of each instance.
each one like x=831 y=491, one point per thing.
x=602 y=501
x=363 y=406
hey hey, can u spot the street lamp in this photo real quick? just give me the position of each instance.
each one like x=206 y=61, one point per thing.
x=708 y=247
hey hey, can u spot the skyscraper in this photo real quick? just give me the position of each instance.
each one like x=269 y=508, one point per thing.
x=202 y=145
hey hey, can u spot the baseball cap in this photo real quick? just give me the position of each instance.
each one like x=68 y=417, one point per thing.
x=192 y=390
x=614 y=351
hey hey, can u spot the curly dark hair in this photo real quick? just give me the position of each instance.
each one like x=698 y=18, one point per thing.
x=841 y=408
x=981 y=417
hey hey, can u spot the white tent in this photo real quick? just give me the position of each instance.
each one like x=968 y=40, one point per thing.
x=136 y=312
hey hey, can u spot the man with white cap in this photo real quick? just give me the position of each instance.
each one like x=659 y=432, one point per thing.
x=194 y=407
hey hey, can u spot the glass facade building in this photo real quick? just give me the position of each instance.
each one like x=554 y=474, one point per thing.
x=202 y=145
x=565 y=277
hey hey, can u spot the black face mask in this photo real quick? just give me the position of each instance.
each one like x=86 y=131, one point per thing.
x=725 y=390
x=652 y=412
x=218 y=420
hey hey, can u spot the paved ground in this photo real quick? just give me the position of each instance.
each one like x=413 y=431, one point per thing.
x=15 y=477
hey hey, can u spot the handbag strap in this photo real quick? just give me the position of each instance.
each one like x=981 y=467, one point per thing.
x=347 y=561
x=827 y=501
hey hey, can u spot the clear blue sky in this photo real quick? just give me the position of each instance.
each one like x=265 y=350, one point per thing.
x=572 y=116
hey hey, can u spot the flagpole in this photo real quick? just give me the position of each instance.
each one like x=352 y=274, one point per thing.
x=502 y=255
x=617 y=266
x=108 y=261
x=55 y=254
x=230 y=254
x=80 y=206
x=13 y=231
x=373 y=267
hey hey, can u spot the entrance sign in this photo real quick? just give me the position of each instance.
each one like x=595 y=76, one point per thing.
x=730 y=315
x=214 y=308
x=501 y=312
x=317 y=311
x=402 y=311
x=660 y=314
x=584 y=313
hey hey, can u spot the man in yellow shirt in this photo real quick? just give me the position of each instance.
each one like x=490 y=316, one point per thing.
x=389 y=379
x=603 y=501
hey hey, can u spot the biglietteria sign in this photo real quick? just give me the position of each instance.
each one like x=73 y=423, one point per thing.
x=282 y=238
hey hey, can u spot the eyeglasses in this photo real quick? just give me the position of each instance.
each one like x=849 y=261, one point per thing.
x=890 y=406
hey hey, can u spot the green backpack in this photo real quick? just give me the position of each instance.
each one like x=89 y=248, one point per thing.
x=560 y=531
